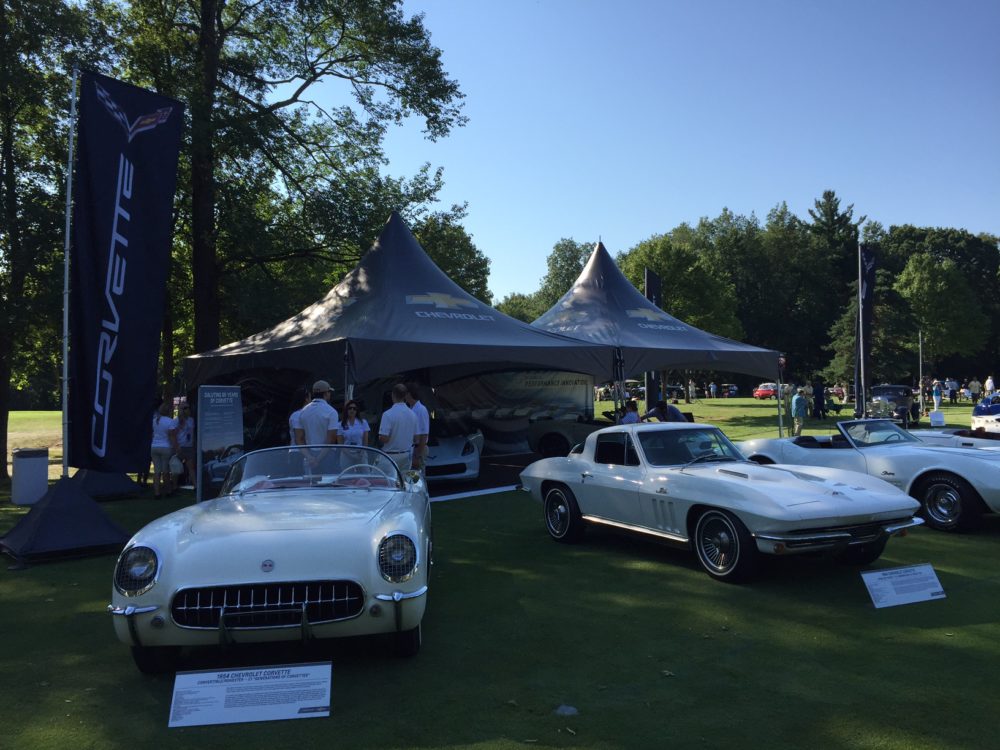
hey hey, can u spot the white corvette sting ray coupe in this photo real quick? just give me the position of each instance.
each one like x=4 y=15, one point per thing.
x=954 y=483
x=688 y=484
x=305 y=542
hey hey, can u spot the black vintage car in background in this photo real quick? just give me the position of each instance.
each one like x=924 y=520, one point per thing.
x=894 y=402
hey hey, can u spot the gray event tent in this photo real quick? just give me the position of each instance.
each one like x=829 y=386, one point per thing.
x=603 y=307
x=398 y=312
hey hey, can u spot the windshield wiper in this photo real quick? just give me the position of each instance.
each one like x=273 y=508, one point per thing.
x=708 y=457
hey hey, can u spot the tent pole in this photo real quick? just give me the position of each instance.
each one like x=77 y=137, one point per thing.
x=65 y=329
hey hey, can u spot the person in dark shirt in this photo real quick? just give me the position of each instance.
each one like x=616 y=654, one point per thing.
x=664 y=412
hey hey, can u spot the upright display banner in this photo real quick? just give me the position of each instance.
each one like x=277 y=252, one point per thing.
x=220 y=435
x=129 y=139
x=651 y=280
x=866 y=310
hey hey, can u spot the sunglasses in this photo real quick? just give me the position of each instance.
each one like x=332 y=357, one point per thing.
x=352 y=408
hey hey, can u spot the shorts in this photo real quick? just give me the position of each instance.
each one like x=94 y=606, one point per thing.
x=161 y=459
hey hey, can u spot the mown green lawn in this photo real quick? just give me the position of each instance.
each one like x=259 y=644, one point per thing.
x=647 y=649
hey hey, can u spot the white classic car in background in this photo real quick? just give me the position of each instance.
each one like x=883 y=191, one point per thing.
x=955 y=485
x=292 y=549
x=452 y=457
x=688 y=484
x=954 y=437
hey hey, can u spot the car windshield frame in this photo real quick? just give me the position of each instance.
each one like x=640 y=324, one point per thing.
x=668 y=447
x=308 y=467
x=870 y=433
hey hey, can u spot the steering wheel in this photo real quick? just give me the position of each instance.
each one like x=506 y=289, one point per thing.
x=894 y=437
x=363 y=472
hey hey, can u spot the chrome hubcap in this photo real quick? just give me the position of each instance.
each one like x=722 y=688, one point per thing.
x=717 y=544
x=943 y=503
x=557 y=516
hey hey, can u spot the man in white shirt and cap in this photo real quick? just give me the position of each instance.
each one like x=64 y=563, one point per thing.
x=397 y=429
x=318 y=423
x=423 y=426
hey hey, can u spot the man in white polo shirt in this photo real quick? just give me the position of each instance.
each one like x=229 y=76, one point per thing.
x=397 y=428
x=423 y=426
x=318 y=422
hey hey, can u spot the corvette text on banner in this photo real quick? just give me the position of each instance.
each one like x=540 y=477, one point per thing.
x=125 y=178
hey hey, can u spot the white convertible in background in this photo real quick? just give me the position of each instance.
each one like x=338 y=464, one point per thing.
x=688 y=484
x=336 y=544
x=954 y=483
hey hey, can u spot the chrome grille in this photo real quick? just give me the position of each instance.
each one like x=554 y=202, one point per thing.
x=267 y=605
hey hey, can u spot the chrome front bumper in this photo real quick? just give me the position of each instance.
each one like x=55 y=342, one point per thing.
x=829 y=540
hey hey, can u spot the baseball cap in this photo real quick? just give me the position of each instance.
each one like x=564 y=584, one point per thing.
x=321 y=386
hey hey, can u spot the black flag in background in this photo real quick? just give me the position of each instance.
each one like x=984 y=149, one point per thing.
x=866 y=310
x=651 y=281
x=124 y=190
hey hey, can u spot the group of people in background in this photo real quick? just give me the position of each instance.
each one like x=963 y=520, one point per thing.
x=171 y=450
x=403 y=428
x=662 y=412
x=971 y=389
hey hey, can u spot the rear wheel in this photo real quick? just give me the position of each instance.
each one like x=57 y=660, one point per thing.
x=551 y=446
x=949 y=503
x=725 y=549
x=562 y=515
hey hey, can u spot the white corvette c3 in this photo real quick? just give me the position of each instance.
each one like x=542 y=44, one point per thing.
x=688 y=484
x=311 y=542
x=955 y=483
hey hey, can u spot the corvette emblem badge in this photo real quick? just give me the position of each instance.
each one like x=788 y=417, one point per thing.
x=267 y=566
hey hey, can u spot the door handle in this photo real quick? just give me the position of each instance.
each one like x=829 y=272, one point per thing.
x=585 y=474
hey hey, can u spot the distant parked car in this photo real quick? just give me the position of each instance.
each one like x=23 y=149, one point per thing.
x=687 y=484
x=955 y=485
x=893 y=402
x=766 y=390
x=452 y=456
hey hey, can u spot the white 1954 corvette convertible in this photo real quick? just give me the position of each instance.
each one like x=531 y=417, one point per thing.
x=687 y=483
x=311 y=542
x=954 y=482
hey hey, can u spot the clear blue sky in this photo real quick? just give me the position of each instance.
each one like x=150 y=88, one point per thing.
x=621 y=120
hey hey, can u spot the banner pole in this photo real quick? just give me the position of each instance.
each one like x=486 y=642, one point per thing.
x=861 y=335
x=65 y=327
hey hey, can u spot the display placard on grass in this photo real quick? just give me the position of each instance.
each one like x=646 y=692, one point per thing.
x=894 y=586
x=233 y=696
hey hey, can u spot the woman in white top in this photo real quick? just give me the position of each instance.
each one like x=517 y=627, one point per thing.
x=353 y=431
x=164 y=445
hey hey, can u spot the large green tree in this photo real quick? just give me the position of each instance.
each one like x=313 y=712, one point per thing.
x=564 y=265
x=39 y=39
x=288 y=103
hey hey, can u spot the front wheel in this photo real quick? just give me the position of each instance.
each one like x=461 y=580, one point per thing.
x=949 y=503
x=407 y=643
x=155 y=659
x=562 y=515
x=725 y=549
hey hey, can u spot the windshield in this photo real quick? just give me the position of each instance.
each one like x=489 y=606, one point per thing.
x=320 y=466
x=674 y=447
x=869 y=432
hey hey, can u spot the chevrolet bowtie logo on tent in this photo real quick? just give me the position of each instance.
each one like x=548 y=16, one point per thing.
x=442 y=304
x=647 y=314
x=439 y=300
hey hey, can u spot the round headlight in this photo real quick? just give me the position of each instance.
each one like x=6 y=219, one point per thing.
x=397 y=558
x=135 y=573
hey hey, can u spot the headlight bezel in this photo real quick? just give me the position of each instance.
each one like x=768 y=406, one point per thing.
x=129 y=584
x=397 y=564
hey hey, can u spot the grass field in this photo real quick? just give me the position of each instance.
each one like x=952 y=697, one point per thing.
x=648 y=650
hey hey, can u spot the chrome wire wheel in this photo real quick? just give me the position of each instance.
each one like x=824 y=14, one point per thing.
x=717 y=542
x=562 y=515
x=949 y=503
x=725 y=549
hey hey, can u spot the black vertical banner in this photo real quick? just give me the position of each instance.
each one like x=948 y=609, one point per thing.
x=866 y=311
x=651 y=282
x=129 y=140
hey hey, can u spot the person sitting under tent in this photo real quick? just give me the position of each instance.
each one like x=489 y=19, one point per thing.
x=631 y=415
x=664 y=412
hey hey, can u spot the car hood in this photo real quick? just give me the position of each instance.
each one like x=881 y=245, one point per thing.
x=270 y=511
x=804 y=492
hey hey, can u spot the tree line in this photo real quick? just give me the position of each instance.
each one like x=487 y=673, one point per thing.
x=790 y=284
x=283 y=184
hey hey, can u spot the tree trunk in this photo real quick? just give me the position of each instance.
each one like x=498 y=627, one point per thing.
x=205 y=271
x=12 y=287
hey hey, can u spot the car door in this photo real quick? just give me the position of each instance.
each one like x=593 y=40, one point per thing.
x=610 y=487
